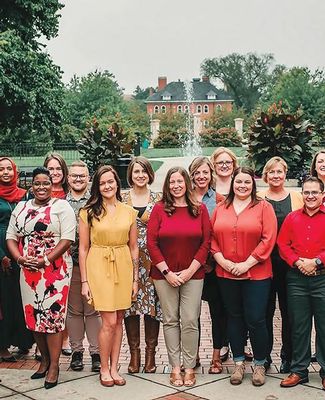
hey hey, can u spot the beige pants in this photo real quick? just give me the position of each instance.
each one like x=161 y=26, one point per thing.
x=181 y=308
x=81 y=317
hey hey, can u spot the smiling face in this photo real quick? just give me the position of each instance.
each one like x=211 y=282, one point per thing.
x=108 y=186
x=55 y=170
x=139 y=176
x=177 y=186
x=312 y=195
x=243 y=186
x=78 y=178
x=320 y=166
x=202 y=177
x=42 y=188
x=276 y=176
x=224 y=165
x=7 y=172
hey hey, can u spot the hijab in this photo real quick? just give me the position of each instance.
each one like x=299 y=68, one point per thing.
x=11 y=192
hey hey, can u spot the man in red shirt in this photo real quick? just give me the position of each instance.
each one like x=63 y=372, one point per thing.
x=301 y=244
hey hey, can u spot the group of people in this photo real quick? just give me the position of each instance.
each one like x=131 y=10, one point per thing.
x=93 y=257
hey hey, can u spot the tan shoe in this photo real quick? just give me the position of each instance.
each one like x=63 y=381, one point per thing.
x=238 y=374
x=258 y=377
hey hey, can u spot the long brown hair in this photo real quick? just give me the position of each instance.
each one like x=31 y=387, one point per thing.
x=168 y=199
x=313 y=171
x=63 y=165
x=244 y=170
x=94 y=205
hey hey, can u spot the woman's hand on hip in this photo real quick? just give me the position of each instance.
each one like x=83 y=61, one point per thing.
x=174 y=279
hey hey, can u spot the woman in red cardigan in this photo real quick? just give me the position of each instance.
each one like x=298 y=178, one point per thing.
x=178 y=240
x=245 y=229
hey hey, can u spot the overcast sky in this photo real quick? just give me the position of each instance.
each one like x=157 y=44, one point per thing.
x=139 y=40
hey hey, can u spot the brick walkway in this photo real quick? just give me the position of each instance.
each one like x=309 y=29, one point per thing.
x=28 y=362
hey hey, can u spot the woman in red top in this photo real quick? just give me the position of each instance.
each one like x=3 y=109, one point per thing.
x=178 y=240
x=55 y=163
x=245 y=229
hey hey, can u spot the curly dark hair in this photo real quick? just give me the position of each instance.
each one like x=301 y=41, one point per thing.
x=41 y=171
x=94 y=205
x=168 y=199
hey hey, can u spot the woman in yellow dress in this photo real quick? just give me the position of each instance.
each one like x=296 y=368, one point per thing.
x=108 y=259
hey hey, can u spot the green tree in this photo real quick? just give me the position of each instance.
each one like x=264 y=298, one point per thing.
x=95 y=95
x=141 y=94
x=30 y=83
x=30 y=92
x=245 y=77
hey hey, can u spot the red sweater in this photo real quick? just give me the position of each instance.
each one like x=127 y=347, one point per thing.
x=178 y=239
x=302 y=235
x=250 y=233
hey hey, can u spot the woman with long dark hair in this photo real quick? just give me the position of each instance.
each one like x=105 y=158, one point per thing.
x=245 y=228
x=178 y=239
x=109 y=264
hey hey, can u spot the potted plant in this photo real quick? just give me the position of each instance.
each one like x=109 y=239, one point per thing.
x=108 y=145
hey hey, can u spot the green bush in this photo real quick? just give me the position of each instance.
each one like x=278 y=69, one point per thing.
x=167 y=138
x=220 y=137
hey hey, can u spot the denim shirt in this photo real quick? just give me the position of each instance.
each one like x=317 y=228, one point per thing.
x=209 y=199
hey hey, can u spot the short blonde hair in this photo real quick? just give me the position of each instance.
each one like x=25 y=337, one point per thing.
x=220 y=150
x=197 y=163
x=270 y=164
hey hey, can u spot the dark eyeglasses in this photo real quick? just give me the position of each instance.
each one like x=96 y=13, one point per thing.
x=76 y=176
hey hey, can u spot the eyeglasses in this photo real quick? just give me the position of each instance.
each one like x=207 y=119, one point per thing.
x=313 y=193
x=44 y=184
x=76 y=176
x=221 y=163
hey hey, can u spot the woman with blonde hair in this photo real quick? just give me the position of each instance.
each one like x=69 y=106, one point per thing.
x=283 y=202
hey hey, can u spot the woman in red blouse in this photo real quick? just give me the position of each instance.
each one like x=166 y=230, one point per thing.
x=178 y=240
x=245 y=229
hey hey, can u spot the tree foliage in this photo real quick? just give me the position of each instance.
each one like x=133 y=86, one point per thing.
x=30 y=92
x=94 y=95
x=279 y=133
x=245 y=77
x=141 y=94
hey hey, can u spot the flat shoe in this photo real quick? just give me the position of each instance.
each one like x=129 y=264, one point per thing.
x=216 y=367
x=189 y=379
x=119 y=382
x=106 y=383
x=176 y=379
x=66 y=352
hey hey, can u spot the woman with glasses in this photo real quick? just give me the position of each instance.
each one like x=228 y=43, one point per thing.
x=39 y=236
x=13 y=330
x=55 y=163
x=283 y=202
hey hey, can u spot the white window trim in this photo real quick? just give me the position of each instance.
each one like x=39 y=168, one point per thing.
x=206 y=109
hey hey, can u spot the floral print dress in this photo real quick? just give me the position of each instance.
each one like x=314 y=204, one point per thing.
x=38 y=229
x=147 y=300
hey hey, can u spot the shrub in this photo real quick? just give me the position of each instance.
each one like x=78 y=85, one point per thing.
x=221 y=137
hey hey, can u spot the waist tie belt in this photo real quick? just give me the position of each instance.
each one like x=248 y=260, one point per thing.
x=111 y=259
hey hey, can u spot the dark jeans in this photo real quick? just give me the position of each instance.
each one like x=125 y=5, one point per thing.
x=306 y=299
x=279 y=286
x=246 y=302
x=212 y=294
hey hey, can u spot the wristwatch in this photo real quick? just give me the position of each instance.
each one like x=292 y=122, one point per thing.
x=46 y=261
x=165 y=271
x=319 y=263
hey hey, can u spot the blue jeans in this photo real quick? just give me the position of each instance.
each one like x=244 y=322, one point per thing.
x=246 y=304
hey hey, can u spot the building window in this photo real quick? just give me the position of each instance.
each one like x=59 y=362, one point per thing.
x=156 y=110
x=186 y=109
x=218 y=107
x=199 y=108
x=179 y=108
x=163 y=109
x=167 y=97
x=205 y=123
x=206 y=109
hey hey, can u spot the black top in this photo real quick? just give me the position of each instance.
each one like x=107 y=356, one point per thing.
x=141 y=210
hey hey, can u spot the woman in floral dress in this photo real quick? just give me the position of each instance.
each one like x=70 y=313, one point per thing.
x=39 y=236
x=140 y=175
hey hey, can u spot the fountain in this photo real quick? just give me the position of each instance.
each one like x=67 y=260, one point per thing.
x=191 y=146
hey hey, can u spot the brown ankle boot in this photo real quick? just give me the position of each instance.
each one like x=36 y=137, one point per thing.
x=132 y=327
x=151 y=330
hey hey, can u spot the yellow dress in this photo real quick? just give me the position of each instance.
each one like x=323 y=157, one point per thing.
x=109 y=264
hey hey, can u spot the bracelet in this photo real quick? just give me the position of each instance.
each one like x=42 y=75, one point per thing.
x=84 y=281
